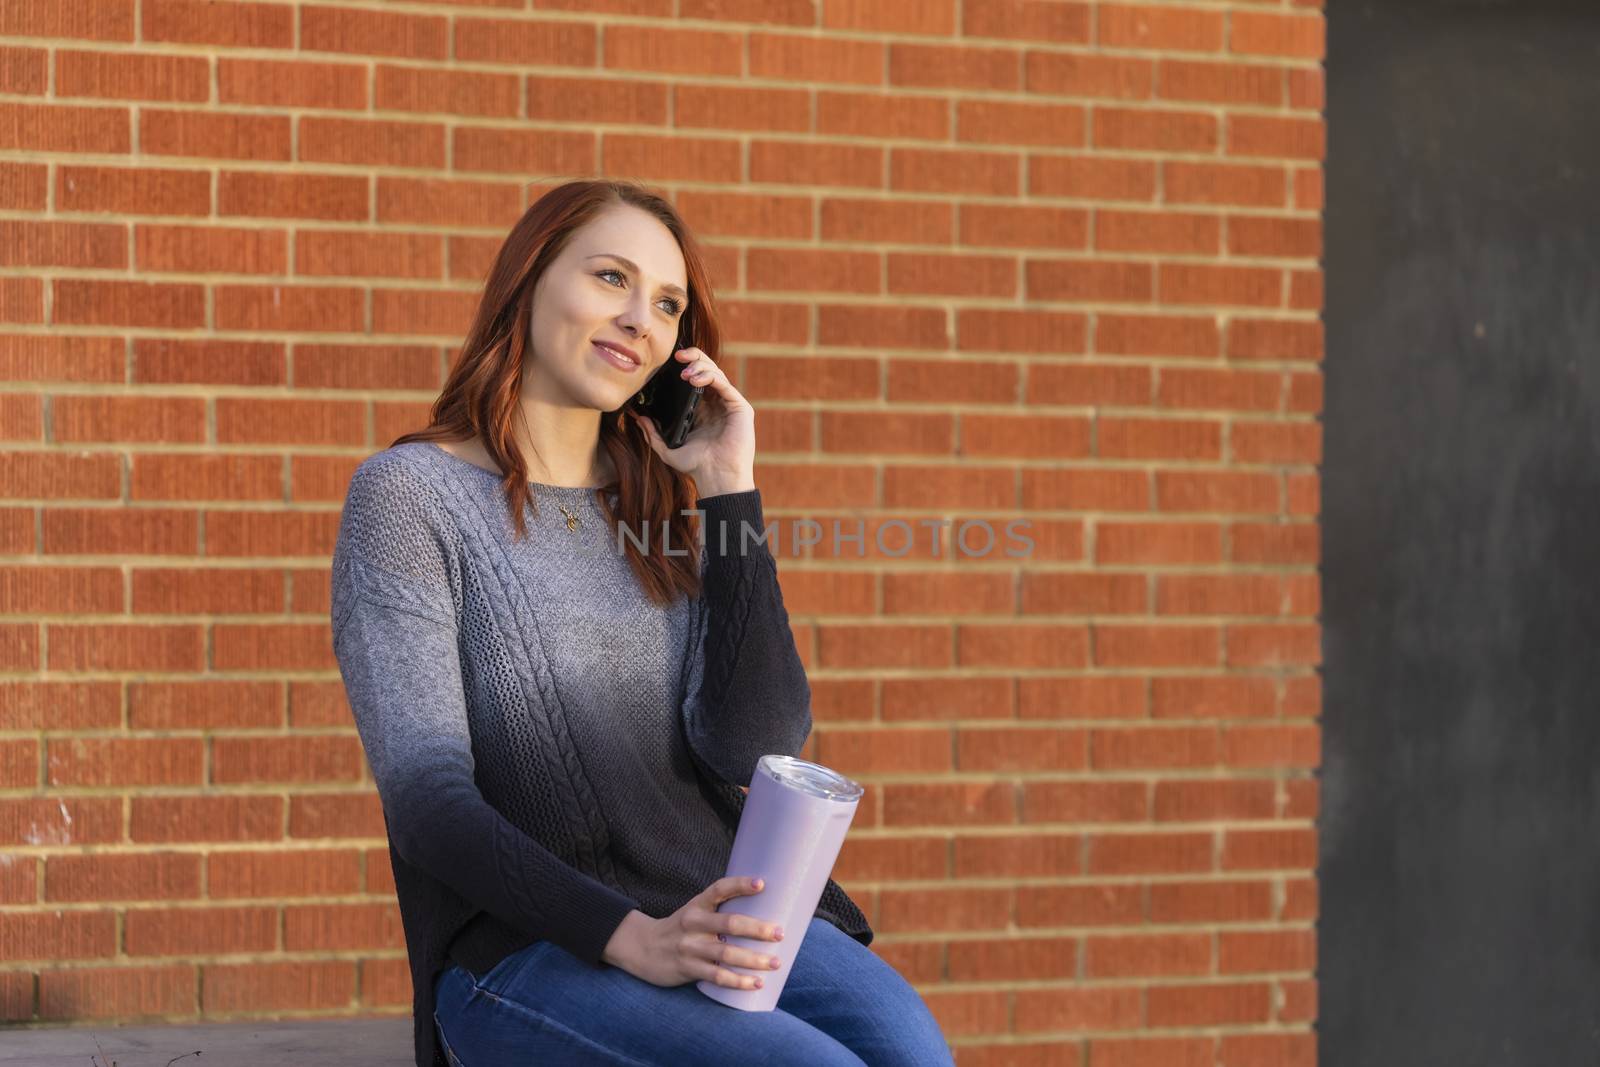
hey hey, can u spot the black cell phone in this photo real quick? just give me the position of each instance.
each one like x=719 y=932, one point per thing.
x=669 y=400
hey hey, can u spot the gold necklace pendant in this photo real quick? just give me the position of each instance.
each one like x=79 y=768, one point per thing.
x=572 y=520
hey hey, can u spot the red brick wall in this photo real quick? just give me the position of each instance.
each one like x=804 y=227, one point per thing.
x=1043 y=260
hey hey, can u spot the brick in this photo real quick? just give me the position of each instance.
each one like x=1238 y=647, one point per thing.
x=1087 y=904
x=1031 y=855
x=336 y=815
x=1154 y=130
x=206 y=249
x=286 y=759
x=30 y=589
x=885 y=115
x=1081 y=697
x=1214 y=801
x=120 y=993
x=941 y=804
x=1090 y=384
x=938 y=66
x=893 y=858
x=198 y=705
x=1151 y=853
x=43 y=357
x=1249 y=185
x=128 y=419
x=332 y=29
x=1055 y=23
x=1269 y=135
x=897 y=432
x=1257 y=85
x=166 y=819
x=1225 y=390
x=659 y=158
x=210 y=591
x=59 y=705
x=30 y=243
x=1087 y=489
x=252 y=25
x=342 y=927
x=64 y=128
x=1147 y=955
x=288 y=195
x=380 y=142
x=385 y=982
x=1184 y=233
x=295 y=986
x=957 y=172
x=1038 y=332
x=208 y=362
x=941 y=699
x=1088 y=74
x=1108 y=1008
x=1293 y=36
x=109 y=647
x=1269 y=850
x=58 y=934
x=124 y=761
x=1167 y=29
x=996 y=749
x=867 y=751
x=926 y=593
x=1195 y=1005
x=214 y=134
x=131 y=876
x=199 y=931
x=1043 y=645
x=298 y=83
x=1258 y=951
x=1210 y=901
x=108 y=302
x=803 y=58
x=60 y=820
x=1090 y=280
x=886 y=646
x=280 y=872
x=1062 y=593
x=906 y=910
x=1202 y=283
x=1221 y=594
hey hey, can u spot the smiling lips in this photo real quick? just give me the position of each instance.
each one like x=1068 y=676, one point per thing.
x=615 y=358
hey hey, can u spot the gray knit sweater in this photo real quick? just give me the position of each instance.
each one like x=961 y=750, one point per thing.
x=551 y=748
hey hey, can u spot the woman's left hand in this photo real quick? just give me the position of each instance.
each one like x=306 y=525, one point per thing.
x=719 y=452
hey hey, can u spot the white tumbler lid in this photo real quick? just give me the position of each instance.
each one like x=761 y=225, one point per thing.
x=814 y=778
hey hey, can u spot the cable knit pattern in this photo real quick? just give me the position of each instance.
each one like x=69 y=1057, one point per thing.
x=551 y=749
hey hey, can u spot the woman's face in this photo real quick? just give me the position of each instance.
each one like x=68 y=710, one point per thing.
x=621 y=280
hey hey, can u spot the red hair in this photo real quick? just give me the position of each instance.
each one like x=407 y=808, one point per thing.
x=481 y=396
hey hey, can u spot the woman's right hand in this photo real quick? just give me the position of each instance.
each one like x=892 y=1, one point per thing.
x=686 y=946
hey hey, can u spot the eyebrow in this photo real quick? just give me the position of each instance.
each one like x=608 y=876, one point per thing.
x=676 y=290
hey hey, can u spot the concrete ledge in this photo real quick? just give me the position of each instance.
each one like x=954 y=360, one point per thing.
x=312 y=1043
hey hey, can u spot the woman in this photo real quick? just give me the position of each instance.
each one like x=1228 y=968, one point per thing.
x=560 y=706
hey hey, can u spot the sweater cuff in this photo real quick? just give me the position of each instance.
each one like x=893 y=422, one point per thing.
x=727 y=516
x=589 y=939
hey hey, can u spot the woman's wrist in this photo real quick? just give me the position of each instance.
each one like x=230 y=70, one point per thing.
x=625 y=939
x=707 y=485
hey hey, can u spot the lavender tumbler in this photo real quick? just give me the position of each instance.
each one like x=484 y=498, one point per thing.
x=790 y=832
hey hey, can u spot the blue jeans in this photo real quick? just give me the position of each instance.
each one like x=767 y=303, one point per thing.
x=842 y=1006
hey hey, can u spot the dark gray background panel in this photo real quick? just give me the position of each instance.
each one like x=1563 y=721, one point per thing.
x=1460 y=825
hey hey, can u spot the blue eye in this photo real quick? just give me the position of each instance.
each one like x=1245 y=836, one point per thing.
x=673 y=307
